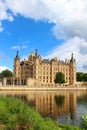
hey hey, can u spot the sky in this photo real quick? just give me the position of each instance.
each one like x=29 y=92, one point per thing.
x=56 y=27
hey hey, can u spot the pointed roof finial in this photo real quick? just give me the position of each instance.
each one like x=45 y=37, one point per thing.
x=72 y=58
x=72 y=55
x=17 y=56
x=36 y=53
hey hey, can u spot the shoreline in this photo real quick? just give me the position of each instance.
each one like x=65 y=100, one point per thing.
x=25 y=88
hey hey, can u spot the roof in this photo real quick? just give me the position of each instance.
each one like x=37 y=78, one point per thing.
x=45 y=61
x=62 y=62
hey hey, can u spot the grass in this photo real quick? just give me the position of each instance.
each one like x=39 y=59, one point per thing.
x=16 y=115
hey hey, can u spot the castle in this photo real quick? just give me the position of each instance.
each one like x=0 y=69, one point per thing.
x=43 y=70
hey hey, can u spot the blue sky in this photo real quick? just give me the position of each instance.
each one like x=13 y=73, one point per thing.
x=25 y=35
x=56 y=28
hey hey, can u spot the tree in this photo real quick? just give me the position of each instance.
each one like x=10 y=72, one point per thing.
x=6 y=73
x=1 y=75
x=85 y=77
x=79 y=76
x=59 y=78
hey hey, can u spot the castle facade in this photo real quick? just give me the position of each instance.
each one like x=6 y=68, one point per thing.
x=44 y=70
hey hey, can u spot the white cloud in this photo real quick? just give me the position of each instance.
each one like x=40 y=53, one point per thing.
x=70 y=16
x=4 y=14
x=4 y=68
x=15 y=47
x=21 y=45
x=76 y=46
x=18 y=47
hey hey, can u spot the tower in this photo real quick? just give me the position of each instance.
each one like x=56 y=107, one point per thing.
x=72 y=70
x=17 y=66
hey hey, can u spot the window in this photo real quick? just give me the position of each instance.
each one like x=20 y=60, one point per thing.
x=43 y=77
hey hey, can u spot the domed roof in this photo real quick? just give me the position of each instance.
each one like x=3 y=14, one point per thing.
x=54 y=59
x=31 y=56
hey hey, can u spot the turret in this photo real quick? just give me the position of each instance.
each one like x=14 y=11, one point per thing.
x=72 y=58
x=72 y=70
x=17 y=66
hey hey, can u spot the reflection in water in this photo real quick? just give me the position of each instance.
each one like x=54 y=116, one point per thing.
x=59 y=100
x=56 y=105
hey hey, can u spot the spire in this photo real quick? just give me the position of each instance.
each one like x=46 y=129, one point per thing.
x=36 y=53
x=72 y=58
x=17 y=56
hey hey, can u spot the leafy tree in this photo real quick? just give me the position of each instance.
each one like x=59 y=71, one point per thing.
x=59 y=78
x=6 y=73
x=0 y=75
x=79 y=76
x=85 y=77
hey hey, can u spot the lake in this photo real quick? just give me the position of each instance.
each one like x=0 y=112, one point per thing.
x=64 y=106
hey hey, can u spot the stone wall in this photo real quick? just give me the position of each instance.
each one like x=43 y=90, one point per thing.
x=81 y=83
x=33 y=82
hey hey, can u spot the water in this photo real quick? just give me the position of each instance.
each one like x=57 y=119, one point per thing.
x=58 y=105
